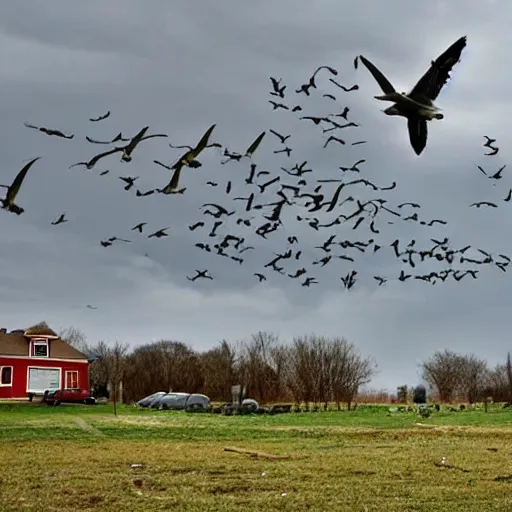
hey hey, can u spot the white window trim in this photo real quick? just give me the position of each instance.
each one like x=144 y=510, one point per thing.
x=12 y=377
x=66 y=378
x=41 y=342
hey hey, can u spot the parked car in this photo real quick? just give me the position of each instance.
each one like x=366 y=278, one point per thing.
x=189 y=402
x=153 y=404
x=198 y=403
x=71 y=395
x=173 y=401
x=146 y=401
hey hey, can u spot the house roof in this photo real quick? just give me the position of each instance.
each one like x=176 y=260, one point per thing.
x=15 y=343
x=40 y=330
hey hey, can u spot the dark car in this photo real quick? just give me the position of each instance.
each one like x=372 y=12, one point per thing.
x=71 y=395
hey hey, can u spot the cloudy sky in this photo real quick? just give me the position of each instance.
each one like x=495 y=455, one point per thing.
x=180 y=67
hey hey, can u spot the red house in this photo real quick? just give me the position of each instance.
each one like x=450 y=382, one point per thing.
x=35 y=360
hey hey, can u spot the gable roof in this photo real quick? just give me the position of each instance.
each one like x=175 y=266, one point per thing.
x=16 y=343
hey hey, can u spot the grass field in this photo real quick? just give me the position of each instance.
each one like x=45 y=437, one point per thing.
x=79 y=458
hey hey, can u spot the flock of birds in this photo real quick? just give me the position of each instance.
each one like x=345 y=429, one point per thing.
x=295 y=192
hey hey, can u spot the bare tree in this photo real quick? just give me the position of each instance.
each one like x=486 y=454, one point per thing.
x=499 y=382
x=322 y=369
x=301 y=378
x=219 y=371
x=353 y=371
x=117 y=362
x=258 y=368
x=473 y=375
x=508 y=367
x=163 y=366
x=443 y=373
x=76 y=338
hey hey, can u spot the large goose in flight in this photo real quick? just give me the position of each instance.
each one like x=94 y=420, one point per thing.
x=418 y=105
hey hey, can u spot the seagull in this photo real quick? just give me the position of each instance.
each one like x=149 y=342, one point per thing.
x=418 y=106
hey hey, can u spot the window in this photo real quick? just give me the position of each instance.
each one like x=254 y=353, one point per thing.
x=41 y=379
x=71 y=379
x=5 y=375
x=40 y=348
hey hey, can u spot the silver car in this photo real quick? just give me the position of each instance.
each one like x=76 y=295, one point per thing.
x=146 y=401
x=187 y=401
x=173 y=401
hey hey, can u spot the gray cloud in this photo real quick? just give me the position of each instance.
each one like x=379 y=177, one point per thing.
x=180 y=67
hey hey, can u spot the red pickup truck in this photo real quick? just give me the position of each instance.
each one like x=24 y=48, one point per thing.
x=72 y=395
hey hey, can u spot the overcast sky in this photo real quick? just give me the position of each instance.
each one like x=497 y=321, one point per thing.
x=180 y=67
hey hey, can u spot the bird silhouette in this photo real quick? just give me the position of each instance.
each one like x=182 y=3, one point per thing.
x=335 y=139
x=282 y=138
x=130 y=181
x=159 y=234
x=8 y=203
x=276 y=86
x=118 y=138
x=278 y=105
x=484 y=203
x=200 y=274
x=60 y=220
x=139 y=227
x=99 y=118
x=346 y=89
x=418 y=105
x=187 y=159
x=50 y=131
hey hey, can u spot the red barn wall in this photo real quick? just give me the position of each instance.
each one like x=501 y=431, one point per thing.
x=20 y=373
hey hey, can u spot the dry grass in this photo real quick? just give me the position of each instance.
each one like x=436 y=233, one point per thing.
x=346 y=468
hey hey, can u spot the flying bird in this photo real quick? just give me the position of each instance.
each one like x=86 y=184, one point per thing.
x=127 y=150
x=139 y=227
x=254 y=146
x=159 y=234
x=129 y=180
x=278 y=105
x=418 y=105
x=277 y=90
x=50 y=131
x=200 y=274
x=99 y=118
x=346 y=89
x=187 y=159
x=118 y=138
x=13 y=190
x=494 y=151
x=282 y=138
x=60 y=220
x=335 y=139
x=484 y=203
